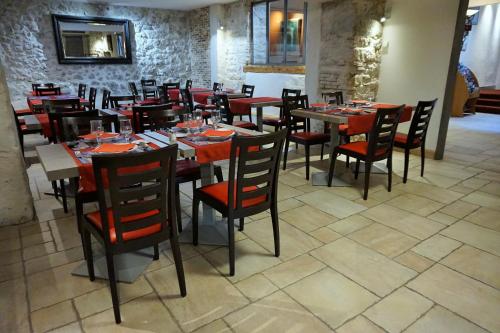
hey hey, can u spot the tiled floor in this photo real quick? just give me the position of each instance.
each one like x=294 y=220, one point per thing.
x=423 y=258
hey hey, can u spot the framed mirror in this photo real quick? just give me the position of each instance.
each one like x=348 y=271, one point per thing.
x=92 y=40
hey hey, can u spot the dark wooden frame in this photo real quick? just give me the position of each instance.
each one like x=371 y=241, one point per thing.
x=56 y=19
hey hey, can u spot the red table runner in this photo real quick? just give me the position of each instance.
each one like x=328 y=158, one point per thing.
x=202 y=97
x=243 y=105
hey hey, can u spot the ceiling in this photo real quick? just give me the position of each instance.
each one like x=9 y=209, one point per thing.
x=164 y=4
x=476 y=3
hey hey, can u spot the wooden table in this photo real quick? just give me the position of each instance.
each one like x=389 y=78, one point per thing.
x=259 y=105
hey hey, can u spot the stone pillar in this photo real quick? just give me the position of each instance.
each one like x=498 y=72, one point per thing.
x=16 y=203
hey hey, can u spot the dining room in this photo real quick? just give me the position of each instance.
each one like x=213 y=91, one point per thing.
x=244 y=166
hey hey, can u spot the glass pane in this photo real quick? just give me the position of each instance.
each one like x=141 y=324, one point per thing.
x=276 y=32
x=295 y=34
x=259 y=15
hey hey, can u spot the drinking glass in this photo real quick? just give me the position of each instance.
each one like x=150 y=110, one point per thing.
x=197 y=119
x=125 y=129
x=215 y=118
x=96 y=128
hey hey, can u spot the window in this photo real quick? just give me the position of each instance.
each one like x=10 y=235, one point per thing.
x=276 y=40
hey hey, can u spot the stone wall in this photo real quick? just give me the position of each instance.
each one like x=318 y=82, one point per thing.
x=160 y=46
x=351 y=41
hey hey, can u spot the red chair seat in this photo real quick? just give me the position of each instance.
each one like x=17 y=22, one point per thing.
x=95 y=219
x=178 y=108
x=359 y=147
x=310 y=137
x=343 y=129
x=402 y=138
x=186 y=168
x=220 y=192
x=245 y=124
x=23 y=112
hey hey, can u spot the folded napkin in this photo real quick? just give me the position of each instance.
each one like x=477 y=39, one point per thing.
x=217 y=133
x=92 y=136
x=186 y=125
x=114 y=148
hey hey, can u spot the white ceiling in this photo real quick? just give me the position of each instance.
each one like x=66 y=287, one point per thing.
x=476 y=3
x=164 y=4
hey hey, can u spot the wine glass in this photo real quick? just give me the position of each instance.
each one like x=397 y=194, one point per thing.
x=125 y=129
x=215 y=116
x=197 y=119
x=96 y=128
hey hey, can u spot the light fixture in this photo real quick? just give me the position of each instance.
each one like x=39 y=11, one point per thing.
x=383 y=19
x=221 y=26
x=472 y=11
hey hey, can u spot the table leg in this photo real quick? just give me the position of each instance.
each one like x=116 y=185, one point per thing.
x=260 y=125
x=210 y=231
x=321 y=178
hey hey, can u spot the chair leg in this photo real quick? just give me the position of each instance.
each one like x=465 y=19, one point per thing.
x=407 y=161
x=242 y=224
x=422 y=160
x=347 y=140
x=63 y=195
x=307 y=161
x=178 y=212
x=174 y=245
x=368 y=167
x=79 y=218
x=389 y=173
x=156 y=254
x=276 y=229
x=230 y=231
x=112 y=285
x=356 y=173
x=218 y=175
x=285 y=155
x=332 y=168
x=87 y=248
x=322 y=149
x=196 y=203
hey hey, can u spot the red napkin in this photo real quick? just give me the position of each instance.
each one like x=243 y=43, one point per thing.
x=216 y=133
x=114 y=148
x=92 y=136
x=186 y=125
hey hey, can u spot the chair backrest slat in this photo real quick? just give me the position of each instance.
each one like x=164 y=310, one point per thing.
x=135 y=193
x=133 y=88
x=420 y=121
x=92 y=98
x=74 y=124
x=125 y=99
x=82 y=89
x=290 y=93
x=105 y=98
x=187 y=99
x=131 y=178
x=381 y=136
x=248 y=90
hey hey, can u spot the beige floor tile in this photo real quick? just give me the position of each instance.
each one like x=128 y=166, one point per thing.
x=275 y=313
x=442 y=218
x=459 y=209
x=145 y=314
x=12 y=271
x=325 y=235
x=331 y=296
x=33 y=228
x=485 y=217
x=461 y=294
x=408 y=223
x=218 y=326
x=429 y=191
x=53 y=316
x=293 y=241
x=53 y=286
x=13 y=298
x=492 y=188
x=286 y=192
x=8 y=233
x=475 y=183
x=398 y=310
x=483 y=199
x=307 y=218
x=293 y=270
x=39 y=250
x=292 y=179
x=251 y=258
x=256 y=287
x=436 y=247
x=37 y=238
x=367 y=267
x=415 y=204
x=209 y=295
x=50 y=209
x=53 y=260
x=359 y=325
x=331 y=203
x=434 y=179
x=11 y=257
x=414 y=261
x=288 y=204
x=65 y=232
x=70 y=328
x=440 y=320
x=475 y=263
x=10 y=244
x=472 y=234
x=350 y=224
x=385 y=240
x=100 y=300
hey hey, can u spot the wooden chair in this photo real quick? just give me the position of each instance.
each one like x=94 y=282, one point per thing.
x=170 y=86
x=335 y=97
x=187 y=99
x=223 y=105
x=416 y=135
x=138 y=217
x=82 y=88
x=378 y=147
x=38 y=85
x=247 y=90
x=105 y=98
x=45 y=91
x=153 y=117
x=279 y=123
x=299 y=130
x=22 y=130
x=251 y=188
x=217 y=86
x=133 y=89
x=119 y=101
x=189 y=84
x=92 y=98
x=149 y=89
x=74 y=124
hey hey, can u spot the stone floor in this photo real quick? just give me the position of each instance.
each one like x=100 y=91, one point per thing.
x=423 y=258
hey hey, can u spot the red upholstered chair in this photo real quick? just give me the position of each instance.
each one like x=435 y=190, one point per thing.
x=138 y=217
x=22 y=130
x=378 y=147
x=251 y=188
x=205 y=109
x=280 y=122
x=170 y=86
x=46 y=91
x=149 y=89
x=305 y=137
x=189 y=84
x=416 y=135
x=223 y=104
x=119 y=101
